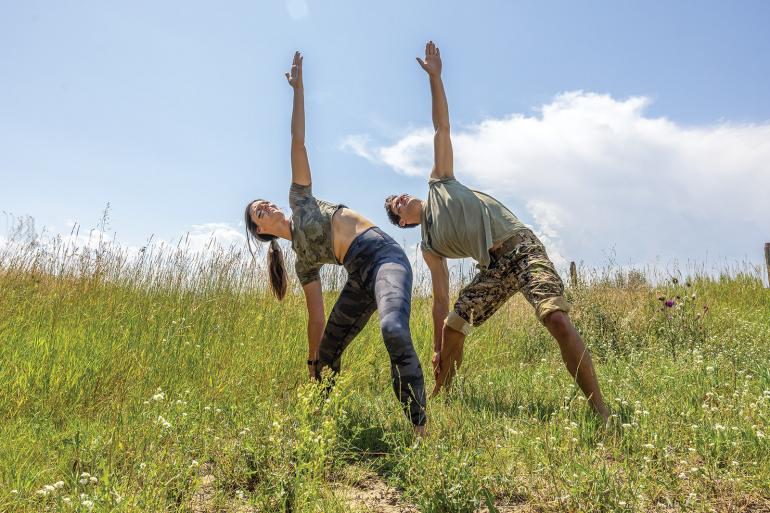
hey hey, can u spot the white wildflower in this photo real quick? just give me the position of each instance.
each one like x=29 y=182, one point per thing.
x=93 y=480
x=87 y=504
x=59 y=484
x=49 y=488
x=163 y=422
x=66 y=500
x=159 y=396
x=626 y=426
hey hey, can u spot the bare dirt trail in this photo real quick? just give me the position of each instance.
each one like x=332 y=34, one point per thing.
x=372 y=494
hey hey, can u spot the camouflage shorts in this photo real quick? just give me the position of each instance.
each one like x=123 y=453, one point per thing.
x=520 y=264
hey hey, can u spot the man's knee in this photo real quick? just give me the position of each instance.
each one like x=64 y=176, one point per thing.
x=558 y=323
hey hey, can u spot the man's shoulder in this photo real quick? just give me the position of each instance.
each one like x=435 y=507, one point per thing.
x=445 y=186
x=446 y=180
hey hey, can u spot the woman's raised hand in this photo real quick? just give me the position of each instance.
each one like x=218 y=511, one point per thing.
x=294 y=77
x=432 y=62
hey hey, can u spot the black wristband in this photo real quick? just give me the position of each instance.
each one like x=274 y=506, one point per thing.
x=312 y=362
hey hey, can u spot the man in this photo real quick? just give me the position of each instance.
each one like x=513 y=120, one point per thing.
x=457 y=222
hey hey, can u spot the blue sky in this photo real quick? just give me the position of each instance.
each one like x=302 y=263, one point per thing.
x=177 y=113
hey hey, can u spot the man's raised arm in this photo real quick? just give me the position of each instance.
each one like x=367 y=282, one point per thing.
x=442 y=144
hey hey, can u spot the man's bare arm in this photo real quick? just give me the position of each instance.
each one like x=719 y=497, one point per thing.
x=439 y=273
x=442 y=143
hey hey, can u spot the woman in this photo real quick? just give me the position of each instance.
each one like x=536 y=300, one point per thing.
x=379 y=274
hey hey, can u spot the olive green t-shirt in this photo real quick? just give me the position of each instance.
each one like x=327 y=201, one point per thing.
x=311 y=232
x=458 y=222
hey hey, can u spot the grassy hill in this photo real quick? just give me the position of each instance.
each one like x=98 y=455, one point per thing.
x=168 y=383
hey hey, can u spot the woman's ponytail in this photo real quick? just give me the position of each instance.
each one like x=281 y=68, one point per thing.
x=278 y=279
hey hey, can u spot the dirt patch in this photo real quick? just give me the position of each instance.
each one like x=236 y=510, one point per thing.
x=373 y=495
x=202 y=500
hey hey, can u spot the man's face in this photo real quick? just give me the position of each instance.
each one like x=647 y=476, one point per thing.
x=407 y=208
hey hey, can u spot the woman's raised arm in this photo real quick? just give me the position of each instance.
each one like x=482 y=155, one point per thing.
x=300 y=167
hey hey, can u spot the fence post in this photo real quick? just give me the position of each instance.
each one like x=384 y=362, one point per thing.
x=573 y=271
x=767 y=261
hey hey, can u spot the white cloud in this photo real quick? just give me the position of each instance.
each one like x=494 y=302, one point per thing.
x=204 y=239
x=593 y=173
x=297 y=9
x=359 y=145
x=209 y=236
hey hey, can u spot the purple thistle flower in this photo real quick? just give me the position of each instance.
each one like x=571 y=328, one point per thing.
x=670 y=303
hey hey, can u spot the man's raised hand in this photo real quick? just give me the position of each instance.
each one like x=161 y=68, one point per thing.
x=432 y=62
x=294 y=77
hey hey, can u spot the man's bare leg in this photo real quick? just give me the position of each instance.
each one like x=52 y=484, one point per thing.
x=577 y=358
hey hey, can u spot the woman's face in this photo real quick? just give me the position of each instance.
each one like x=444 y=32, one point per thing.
x=266 y=215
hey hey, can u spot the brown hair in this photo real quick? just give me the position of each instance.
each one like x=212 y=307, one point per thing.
x=392 y=216
x=279 y=281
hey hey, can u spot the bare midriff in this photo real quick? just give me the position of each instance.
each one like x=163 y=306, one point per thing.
x=346 y=226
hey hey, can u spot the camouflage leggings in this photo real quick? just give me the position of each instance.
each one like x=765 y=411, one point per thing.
x=379 y=278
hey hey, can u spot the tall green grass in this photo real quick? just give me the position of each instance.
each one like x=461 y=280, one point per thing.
x=127 y=378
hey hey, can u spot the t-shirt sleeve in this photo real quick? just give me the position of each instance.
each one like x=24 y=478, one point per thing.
x=298 y=192
x=306 y=273
x=424 y=246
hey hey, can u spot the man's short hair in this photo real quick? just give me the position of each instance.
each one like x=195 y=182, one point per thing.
x=395 y=218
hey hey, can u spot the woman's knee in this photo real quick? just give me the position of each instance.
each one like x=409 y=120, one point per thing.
x=394 y=331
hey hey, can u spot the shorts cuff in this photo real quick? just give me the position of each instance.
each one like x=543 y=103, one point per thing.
x=550 y=305
x=457 y=323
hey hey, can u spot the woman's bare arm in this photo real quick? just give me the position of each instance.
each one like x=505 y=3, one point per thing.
x=300 y=167
x=316 y=322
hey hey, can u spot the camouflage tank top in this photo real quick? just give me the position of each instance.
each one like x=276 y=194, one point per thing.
x=311 y=232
